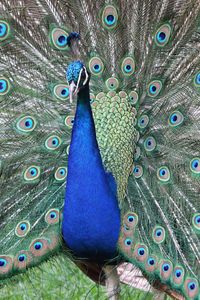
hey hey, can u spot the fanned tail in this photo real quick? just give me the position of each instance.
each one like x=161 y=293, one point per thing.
x=161 y=233
x=36 y=116
x=143 y=57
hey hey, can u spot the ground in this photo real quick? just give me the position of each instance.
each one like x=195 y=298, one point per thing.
x=52 y=281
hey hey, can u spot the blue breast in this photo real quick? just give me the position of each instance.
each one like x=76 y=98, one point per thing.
x=91 y=220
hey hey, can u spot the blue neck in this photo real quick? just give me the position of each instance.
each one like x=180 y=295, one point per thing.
x=91 y=219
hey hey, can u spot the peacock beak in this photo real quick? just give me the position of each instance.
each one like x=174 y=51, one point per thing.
x=72 y=91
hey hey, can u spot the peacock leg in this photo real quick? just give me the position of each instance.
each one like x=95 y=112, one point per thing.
x=112 y=282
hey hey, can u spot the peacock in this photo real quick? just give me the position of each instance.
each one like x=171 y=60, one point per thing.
x=100 y=139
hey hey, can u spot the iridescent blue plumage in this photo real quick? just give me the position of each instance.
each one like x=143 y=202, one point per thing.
x=73 y=71
x=91 y=193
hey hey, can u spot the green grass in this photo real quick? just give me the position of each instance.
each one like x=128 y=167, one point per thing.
x=59 y=279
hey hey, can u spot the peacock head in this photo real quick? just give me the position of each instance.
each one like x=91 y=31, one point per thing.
x=77 y=76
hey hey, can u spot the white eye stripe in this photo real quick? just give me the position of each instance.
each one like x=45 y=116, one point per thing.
x=79 y=78
x=86 y=73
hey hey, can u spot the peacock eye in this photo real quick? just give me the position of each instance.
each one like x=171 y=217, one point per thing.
x=138 y=171
x=110 y=20
x=128 y=66
x=197 y=79
x=22 y=228
x=69 y=121
x=4 y=30
x=4 y=86
x=38 y=246
x=109 y=17
x=154 y=88
x=151 y=261
x=26 y=124
x=131 y=218
x=191 y=288
x=112 y=83
x=196 y=221
x=165 y=267
x=176 y=118
x=163 y=35
x=32 y=173
x=158 y=234
x=60 y=174
x=62 y=40
x=61 y=91
x=53 y=142
x=150 y=143
x=141 y=251
x=22 y=257
x=178 y=273
x=6 y=264
x=133 y=96
x=3 y=262
x=96 y=66
x=143 y=121
x=65 y=92
x=52 y=216
x=163 y=174
x=195 y=165
x=59 y=38
x=128 y=242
